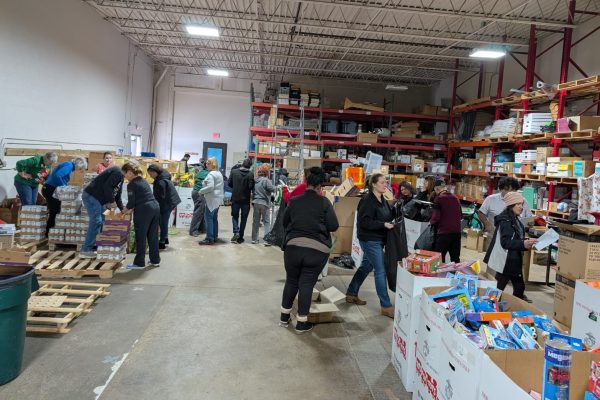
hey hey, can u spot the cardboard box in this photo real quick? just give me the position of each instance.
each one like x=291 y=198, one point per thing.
x=331 y=154
x=473 y=236
x=564 y=294
x=347 y=188
x=409 y=289
x=14 y=256
x=577 y=124
x=323 y=308
x=366 y=137
x=418 y=165
x=508 y=167
x=342 y=154
x=423 y=261
x=583 y=168
x=342 y=239
x=542 y=154
x=426 y=109
x=578 y=252
x=586 y=312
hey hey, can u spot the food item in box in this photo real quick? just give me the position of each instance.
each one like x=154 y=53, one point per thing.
x=557 y=370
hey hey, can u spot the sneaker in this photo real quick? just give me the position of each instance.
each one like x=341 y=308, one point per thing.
x=154 y=265
x=240 y=240
x=133 y=266
x=162 y=246
x=206 y=242
x=235 y=238
x=167 y=241
x=284 y=320
x=87 y=254
x=302 y=327
x=255 y=242
x=195 y=234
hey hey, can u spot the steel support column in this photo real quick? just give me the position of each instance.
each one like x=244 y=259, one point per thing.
x=566 y=56
x=498 y=112
x=453 y=103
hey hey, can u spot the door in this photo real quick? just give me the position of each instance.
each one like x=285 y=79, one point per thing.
x=216 y=150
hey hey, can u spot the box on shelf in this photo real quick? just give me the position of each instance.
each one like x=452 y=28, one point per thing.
x=342 y=154
x=437 y=168
x=366 y=137
x=418 y=165
x=508 y=167
x=426 y=109
x=540 y=168
x=580 y=123
x=292 y=164
x=542 y=154
x=583 y=168
x=331 y=154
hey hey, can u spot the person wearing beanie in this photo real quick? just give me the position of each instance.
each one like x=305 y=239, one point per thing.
x=263 y=189
x=505 y=254
x=446 y=218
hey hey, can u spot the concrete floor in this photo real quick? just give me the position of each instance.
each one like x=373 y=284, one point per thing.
x=204 y=326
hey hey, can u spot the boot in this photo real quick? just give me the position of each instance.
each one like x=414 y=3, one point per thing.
x=354 y=300
x=388 y=312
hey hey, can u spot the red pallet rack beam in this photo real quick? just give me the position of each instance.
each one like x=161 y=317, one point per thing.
x=564 y=65
x=490 y=188
x=453 y=102
x=555 y=143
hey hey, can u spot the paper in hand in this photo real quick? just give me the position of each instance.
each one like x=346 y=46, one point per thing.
x=548 y=238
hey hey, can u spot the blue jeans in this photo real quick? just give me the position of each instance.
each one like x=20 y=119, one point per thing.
x=212 y=224
x=164 y=225
x=372 y=260
x=94 y=210
x=27 y=194
x=239 y=225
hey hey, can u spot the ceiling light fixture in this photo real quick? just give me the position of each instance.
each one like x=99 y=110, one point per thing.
x=488 y=53
x=198 y=30
x=217 y=72
x=400 y=88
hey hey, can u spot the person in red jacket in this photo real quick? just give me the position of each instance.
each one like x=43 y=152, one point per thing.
x=298 y=190
x=446 y=218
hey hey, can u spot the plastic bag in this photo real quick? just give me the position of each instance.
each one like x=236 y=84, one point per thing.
x=427 y=239
x=276 y=236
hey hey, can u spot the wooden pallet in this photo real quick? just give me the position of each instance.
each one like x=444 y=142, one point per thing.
x=32 y=246
x=53 y=245
x=503 y=101
x=67 y=264
x=531 y=177
x=56 y=304
x=580 y=83
x=538 y=96
x=562 y=180
x=500 y=139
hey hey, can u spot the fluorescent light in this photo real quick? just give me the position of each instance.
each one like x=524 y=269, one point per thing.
x=197 y=30
x=217 y=72
x=487 y=53
x=396 y=87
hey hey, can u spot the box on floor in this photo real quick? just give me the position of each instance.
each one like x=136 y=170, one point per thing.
x=323 y=306
x=586 y=314
x=579 y=251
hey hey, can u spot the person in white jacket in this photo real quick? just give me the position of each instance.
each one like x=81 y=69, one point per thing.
x=212 y=189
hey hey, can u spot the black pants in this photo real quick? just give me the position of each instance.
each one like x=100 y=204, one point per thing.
x=53 y=206
x=517 y=282
x=448 y=243
x=146 y=218
x=239 y=224
x=302 y=267
x=198 y=225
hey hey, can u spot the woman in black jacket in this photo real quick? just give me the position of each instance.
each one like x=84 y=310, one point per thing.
x=167 y=197
x=505 y=254
x=308 y=221
x=374 y=220
x=145 y=217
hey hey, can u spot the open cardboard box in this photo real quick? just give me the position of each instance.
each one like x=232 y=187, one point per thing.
x=579 y=251
x=323 y=305
x=14 y=256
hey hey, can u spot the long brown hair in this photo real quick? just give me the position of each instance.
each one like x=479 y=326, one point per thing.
x=373 y=180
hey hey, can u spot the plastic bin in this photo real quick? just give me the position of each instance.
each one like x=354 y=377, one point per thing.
x=15 y=290
x=349 y=127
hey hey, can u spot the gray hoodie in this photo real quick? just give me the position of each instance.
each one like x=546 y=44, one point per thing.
x=263 y=188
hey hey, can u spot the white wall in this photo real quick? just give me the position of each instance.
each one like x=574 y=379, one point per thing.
x=66 y=75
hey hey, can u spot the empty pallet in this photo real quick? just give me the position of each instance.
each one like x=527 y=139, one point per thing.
x=56 y=304
x=67 y=264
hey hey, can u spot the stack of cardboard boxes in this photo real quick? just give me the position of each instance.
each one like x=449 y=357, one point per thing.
x=405 y=129
x=345 y=204
x=471 y=186
x=578 y=258
x=112 y=241
x=33 y=223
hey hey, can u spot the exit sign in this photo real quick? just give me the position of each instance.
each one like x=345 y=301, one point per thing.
x=216 y=135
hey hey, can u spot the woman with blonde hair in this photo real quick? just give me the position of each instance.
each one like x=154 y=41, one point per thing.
x=145 y=218
x=212 y=189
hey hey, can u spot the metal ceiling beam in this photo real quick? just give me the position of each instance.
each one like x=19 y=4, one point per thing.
x=182 y=35
x=193 y=11
x=270 y=54
x=162 y=56
x=438 y=12
x=195 y=68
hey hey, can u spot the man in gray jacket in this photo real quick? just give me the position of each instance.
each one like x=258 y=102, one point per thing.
x=263 y=189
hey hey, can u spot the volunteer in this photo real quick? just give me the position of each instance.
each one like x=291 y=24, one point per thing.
x=146 y=216
x=59 y=177
x=107 y=162
x=505 y=254
x=308 y=221
x=104 y=191
x=167 y=197
x=494 y=204
x=30 y=173
x=241 y=181
x=198 y=224
x=212 y=189
x=374 y=220
x=446 y=217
